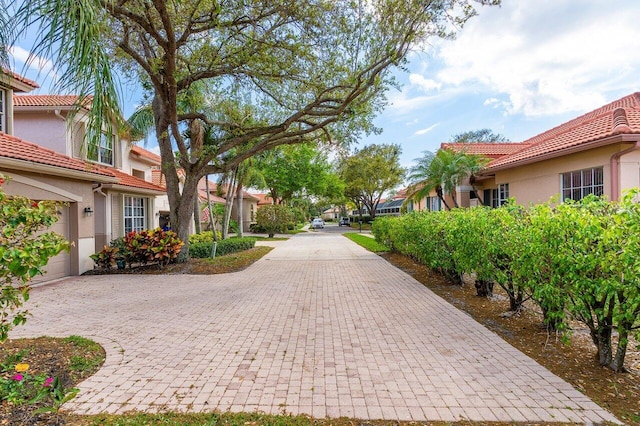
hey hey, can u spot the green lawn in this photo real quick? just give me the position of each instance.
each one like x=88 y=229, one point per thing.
x=366 y=242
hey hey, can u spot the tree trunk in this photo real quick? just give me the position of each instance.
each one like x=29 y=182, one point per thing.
x=228 y=205
x=605 y=352
x=455 y=202
x=240 y=198
x=440 y=195
x=180 y=203
x=617 y=363
x=515 y=298
x=196 y=215
x=484 y=288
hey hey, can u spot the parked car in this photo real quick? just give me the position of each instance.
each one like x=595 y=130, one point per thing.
x=344 y=221
x=317 y=223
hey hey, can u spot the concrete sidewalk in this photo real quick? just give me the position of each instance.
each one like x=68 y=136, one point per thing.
x=319 y=326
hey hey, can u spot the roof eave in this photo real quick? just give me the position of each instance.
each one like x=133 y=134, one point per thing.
x=144 y=159
x=15 y=84
x=621 y=138
x=134 y=189
x=29 y=166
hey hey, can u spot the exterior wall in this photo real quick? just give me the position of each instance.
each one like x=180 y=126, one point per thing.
x=78 y=195
x=131 y=164
x=538 y=182
x=629 y=171
x=43 y=128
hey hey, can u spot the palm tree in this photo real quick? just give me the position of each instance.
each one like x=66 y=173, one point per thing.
x=442 y=172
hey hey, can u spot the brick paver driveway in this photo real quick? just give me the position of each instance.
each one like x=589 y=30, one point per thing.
x=319 y=326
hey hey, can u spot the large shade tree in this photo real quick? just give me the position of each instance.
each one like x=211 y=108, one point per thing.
x=281 y=72
x=369 y=173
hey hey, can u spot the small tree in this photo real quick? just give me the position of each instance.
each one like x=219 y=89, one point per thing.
x=24 y=250
x=273 y=218
x=369 y=173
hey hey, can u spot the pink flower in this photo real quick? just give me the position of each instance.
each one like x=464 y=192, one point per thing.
x=17 y=377
x=48 y=382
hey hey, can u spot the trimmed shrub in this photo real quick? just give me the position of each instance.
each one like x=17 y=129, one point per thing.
x=228 y=246
x=575 y=260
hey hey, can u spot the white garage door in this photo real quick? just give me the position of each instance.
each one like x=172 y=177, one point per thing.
x=60 y=265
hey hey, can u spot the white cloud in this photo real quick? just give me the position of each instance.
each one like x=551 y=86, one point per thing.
x=402 y=102
x=32 y=61
x=427 y=130
x=490 y=101
x=426 y=85
x=542 y=61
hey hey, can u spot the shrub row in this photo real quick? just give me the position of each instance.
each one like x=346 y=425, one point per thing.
x=202 y=249
x=576 y=260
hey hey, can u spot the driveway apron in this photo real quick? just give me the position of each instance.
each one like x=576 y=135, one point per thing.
x=318 y=326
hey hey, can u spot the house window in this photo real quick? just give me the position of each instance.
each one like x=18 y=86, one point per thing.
x=134 y=214
x=102 y=153
x=434 y=204
x=497 y=196
x=577 y=185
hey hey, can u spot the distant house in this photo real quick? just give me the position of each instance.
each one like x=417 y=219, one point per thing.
x=332 y=213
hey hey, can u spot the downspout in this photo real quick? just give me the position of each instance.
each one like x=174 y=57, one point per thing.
x=98 y=189
x=620 y=125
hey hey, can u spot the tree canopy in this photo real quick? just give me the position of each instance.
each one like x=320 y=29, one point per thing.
x=297 y=170
x=277 y=73
x=369 y=173
x=480 y=135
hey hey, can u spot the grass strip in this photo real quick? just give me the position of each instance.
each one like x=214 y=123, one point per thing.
x=366 y=242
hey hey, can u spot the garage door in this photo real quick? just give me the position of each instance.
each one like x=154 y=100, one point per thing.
x=60 y=265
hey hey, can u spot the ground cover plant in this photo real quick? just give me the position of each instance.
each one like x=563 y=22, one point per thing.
x=38 y=375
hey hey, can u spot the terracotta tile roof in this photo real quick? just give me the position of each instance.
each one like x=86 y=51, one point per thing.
x=126 y=179
x=47 y=100
x=400 y=194
x=491 y=150
x=263 y=199
x=618 y=117
x=20 y=78
x=157 y=177
x=19 y=149
x=137 y=150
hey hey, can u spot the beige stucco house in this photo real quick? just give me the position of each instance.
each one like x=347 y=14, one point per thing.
x=118 y=207
x=596 y=153
x=106 y=191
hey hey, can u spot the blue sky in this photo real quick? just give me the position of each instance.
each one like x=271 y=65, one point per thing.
x=519 y=70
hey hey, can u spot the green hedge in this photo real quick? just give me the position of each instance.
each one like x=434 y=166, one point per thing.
x=228 y=246
x=575 y=260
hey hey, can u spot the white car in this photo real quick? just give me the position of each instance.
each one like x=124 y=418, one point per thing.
x=317 y=223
